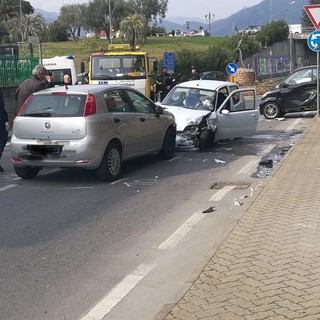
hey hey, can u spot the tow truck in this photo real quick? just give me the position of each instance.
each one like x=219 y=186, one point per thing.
x=122 y=65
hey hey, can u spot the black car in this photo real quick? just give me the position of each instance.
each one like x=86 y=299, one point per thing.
x=213 y=75
x=297 y=92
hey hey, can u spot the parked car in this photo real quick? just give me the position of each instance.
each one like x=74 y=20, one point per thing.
x=297 y=92
x=207 y=111
x=94 y=127
x=213 y=75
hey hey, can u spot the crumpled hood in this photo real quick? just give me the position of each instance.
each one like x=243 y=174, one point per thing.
x=185 y=117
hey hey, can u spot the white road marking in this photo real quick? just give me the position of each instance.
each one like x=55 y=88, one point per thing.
x=102 y=308
x=117 y=181
x=175 y=158
x=180 y=233
x=9 y=186
x=267 y=149
x=221 y=193
x=249 y=167
x=295 y=122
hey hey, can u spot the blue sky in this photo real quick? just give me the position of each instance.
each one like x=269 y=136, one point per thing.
x=176 y=8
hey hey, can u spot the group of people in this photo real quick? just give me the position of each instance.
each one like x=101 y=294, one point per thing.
x=165 y=82
x=41 y=79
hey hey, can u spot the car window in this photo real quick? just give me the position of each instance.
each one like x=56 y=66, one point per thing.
x=55 y=106
x=141 y=103
x=301 y=76
x=222 y=95
x=116 y=101
x=190 y=98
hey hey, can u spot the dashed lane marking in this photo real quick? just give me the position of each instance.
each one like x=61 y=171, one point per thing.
x=294 y=123
x=221 y=193
x=180 y=233
x=118 y=293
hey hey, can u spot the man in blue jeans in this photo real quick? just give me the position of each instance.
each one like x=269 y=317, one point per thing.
x=4 y=126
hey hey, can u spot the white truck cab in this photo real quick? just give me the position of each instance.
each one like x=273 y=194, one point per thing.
x=61 y=65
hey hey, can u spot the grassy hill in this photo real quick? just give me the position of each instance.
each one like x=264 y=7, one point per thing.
x=155 y=46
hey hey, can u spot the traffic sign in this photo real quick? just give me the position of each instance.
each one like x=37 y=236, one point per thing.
x=314 y=41
x=168 y=61
x=231 y=68
x=313 y=12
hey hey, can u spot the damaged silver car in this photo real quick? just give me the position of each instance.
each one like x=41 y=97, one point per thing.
x=207 y=111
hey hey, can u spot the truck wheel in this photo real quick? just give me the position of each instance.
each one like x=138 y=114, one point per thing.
x=27 y=172
x=110 y=167
x=271 y=110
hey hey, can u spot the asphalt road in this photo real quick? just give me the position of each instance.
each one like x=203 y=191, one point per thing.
x=73 y=247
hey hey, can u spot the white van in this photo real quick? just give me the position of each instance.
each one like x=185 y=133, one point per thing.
x=61 y=65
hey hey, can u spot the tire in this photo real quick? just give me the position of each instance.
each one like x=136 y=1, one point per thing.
x=110 y=167
x=27 y=172
x=169 y=145
x=271 y=110
x=206 y=139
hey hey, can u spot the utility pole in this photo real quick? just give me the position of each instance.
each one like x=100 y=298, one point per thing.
x=21 y=21
x=209 y=17
x=110 y=23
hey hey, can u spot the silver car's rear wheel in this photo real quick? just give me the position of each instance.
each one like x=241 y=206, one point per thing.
x=271 y=110
x=110 y=167
x=27 y=172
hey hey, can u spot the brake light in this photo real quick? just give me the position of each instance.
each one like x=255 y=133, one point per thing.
x=90 y=105
x=24 y=105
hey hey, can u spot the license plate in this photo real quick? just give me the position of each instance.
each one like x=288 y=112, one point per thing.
x=45 y=150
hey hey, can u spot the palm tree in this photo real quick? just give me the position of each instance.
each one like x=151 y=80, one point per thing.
x=28 y=25
x=9 y=9
x=133 y=27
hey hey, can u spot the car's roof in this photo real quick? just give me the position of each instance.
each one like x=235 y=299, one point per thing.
x=82 y=89
x=205 y=84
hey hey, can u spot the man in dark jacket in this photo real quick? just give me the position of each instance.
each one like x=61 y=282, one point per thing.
x=4 y=126
x=39 y=80
x=164 y=83
x=195 y=74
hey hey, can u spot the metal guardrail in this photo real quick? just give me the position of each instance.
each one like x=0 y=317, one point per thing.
x=15 y=69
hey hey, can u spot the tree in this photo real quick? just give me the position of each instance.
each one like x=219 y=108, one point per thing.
x=151 y=9
x=57 y=32
x=71 y=16
x=273 y=32
x=133 y=28
x=97 y=15
x=23 y=27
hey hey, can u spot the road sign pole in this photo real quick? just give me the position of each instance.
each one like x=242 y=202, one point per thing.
x=318 y=84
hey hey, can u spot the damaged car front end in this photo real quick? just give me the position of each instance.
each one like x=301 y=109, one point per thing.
x=206 y=111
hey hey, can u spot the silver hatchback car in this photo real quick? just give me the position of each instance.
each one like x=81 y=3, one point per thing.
x=95 y=127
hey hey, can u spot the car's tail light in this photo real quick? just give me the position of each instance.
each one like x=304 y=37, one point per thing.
x=90 y=106
x=24 y=104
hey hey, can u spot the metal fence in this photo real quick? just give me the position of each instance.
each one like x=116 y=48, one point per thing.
x=15 y=69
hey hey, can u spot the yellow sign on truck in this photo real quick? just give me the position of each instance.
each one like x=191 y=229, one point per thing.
x=121 y=65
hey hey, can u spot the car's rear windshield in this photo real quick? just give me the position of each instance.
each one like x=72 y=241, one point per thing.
x=54 y=106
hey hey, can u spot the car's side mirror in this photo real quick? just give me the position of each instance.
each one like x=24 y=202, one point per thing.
x=158 y=110
x=225 y=112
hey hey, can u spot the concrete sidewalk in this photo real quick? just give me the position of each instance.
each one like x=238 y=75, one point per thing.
x=269 y=265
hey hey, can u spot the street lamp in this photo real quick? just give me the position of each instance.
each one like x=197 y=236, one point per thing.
x=290 y=37
x=21 y=21
x=270 y=9
x=110 y=23
x=209 y=17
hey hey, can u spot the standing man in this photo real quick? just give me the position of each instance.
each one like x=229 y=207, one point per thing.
x=39 y=80
x=4 y=126
x=164 y=83
x=195 y=74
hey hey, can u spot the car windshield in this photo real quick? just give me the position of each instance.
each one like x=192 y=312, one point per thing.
x=54 y=106
x=190 y=98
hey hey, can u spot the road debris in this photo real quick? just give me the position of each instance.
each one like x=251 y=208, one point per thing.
x=210 y=209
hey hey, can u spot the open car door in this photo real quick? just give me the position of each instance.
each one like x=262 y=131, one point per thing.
x=237 y=116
